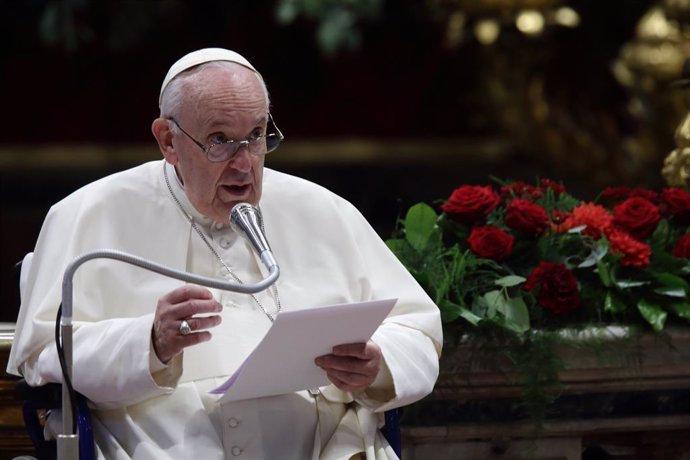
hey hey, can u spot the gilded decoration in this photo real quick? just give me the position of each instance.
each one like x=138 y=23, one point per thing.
x=530 y=59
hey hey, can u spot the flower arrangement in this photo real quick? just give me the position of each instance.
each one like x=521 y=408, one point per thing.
x=520 y=256
x=517 y=261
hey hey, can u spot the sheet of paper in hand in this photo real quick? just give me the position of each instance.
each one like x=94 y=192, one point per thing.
x=283 y=361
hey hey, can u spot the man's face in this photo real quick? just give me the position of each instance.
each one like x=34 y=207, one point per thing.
x=221 y=104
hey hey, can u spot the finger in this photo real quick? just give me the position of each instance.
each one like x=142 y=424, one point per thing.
x=194 y=338
x=175 y=312
x=186 y=292
x=345 y=383
x=204 y=322
x=192 y=307
x=168 y=341
x=348 y=364
x=358 y=350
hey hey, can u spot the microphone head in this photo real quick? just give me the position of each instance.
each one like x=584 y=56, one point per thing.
x=247 y=218
x=243 y=211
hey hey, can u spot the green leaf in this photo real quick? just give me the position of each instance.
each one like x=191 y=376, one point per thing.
x=494 y=301
x=516 y=313
x=469 y=316
x=598 y=253
x=671 y=292
x=604 y=274
x=672 y=281
x=509 y=281
x=396 y=245
x=420 y=222
x=625 y=284
x=681 y=309
x=653 y=313
x=449 y=311
x=686 y=269
x=613 y=304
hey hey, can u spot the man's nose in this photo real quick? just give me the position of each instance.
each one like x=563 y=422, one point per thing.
x=242 y=160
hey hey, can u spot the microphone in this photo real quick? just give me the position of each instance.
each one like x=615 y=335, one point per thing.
x=248 y=219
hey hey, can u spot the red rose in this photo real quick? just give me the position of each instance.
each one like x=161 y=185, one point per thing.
x=490 y=242
x=557 y=289
x=682 y=247
x=676 y=204
x=615 y=193
x=521 y=189
x=525 y=217
x=635 y=253
x=637 y=215
x=618 y=193
x=470 y=203
x=651 y=195
x=556 y=187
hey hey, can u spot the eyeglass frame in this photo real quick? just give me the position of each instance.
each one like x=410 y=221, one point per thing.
x=207 y=148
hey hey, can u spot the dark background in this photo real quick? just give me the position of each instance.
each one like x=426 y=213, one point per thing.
x=403 y=117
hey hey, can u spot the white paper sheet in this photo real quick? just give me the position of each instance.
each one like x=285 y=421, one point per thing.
x=283 y=361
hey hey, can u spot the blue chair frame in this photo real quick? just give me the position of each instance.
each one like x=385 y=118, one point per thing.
x=46 y=398
x=391 y=430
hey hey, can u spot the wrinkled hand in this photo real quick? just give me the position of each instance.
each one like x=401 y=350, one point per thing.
x=352 y=367
x=180 y=304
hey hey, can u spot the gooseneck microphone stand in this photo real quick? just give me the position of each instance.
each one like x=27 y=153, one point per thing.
x=68 y=441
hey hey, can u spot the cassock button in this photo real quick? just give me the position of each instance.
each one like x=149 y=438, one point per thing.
x=236 y=451
x=233 y=422
x=224 y=243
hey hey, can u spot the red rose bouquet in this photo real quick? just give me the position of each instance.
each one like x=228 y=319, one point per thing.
x=520 y=257
x=520 y=269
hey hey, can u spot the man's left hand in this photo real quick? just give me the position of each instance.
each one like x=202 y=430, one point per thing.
x=352 y=367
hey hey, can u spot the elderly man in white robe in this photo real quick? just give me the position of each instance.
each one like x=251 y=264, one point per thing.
x=148 y=349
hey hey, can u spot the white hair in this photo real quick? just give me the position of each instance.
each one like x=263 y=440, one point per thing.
x=173 y=95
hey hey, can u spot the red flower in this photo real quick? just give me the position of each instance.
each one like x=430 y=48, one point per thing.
x=637 y=215
x=557 y=188
x=521 y=189
x=676 y=204
x=615 y=193
x=557 y=289
x=471 y=203
x=596 y=218
x=618 y=193
x=635 y=253
x=651 y=195
x=490 y=242
x=526 y=217
x=558 y=217
x=682 y=247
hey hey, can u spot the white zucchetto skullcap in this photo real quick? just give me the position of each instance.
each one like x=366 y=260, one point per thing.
x=200 y=57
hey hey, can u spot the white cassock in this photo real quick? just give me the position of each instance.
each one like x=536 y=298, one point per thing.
x=327 y=253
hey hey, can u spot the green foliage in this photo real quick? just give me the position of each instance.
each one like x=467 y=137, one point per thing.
x=488 y=299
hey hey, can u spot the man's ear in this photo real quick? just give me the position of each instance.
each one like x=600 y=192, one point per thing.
x=161 y=131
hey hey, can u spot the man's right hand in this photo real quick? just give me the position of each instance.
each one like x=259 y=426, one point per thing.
x=183 y=303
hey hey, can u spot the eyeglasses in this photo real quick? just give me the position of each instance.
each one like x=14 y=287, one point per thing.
x=220 y=149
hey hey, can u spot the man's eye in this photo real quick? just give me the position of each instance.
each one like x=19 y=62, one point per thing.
x=218 y=139
x=258 y=134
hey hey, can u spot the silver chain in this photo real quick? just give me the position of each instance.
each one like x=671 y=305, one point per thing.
x=215 y=253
